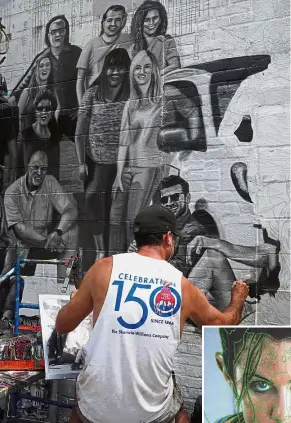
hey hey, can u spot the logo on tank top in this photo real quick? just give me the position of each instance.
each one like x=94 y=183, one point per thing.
x=165 y=301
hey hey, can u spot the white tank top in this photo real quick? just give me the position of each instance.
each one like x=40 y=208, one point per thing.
x=129 y=356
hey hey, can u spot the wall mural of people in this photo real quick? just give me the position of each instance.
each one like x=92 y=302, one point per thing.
x=92 y=57
x=152 y=108
x=30 y=203
x=42 y=77
x=140 y=160
x=64 y=57
x=210 y=271
x=97 y=141
x=131 y=110
x=149 y=32
x=43 y=134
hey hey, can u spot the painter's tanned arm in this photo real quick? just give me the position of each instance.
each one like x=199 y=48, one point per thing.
x=197 y=308
x=91 y=294
x=80 y=306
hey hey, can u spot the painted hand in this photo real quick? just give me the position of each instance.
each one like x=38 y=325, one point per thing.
x=83 y=171
x=55 y=243
x=117 y=186
x=196 y=246
x=12 y=100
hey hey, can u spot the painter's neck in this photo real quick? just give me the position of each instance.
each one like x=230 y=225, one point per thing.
x=151 y=251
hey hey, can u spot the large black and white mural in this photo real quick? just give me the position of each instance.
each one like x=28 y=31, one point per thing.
x=111 y=107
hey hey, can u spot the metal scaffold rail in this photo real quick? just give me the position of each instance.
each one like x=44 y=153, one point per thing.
x=19 y=283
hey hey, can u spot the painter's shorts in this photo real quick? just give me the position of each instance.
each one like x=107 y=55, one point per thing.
x=168 y=416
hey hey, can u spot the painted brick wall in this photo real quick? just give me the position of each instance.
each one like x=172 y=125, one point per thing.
x=243 y=45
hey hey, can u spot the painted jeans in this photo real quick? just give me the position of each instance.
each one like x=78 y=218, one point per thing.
x=139 y=186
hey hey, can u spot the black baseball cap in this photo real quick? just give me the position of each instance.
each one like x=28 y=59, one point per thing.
x=155 y=220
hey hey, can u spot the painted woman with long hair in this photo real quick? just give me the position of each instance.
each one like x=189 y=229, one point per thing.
x=149 y=32
x=256 y=363
x=64 y=57
x=42 y=77
x=43 y=134
x=140 y=160
x=97 y=139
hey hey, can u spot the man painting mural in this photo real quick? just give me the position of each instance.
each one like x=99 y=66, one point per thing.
x=92 y=57
x=64 y=57
x=29 y=204
x=140 y=303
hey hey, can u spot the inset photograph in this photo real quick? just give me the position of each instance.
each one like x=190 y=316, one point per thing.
x=64 y=355
x=247 y=374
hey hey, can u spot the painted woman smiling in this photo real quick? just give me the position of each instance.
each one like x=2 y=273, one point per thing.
x=256 y=362
x=149 y=32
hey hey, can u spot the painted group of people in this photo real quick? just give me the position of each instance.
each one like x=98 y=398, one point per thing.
x=111 y=101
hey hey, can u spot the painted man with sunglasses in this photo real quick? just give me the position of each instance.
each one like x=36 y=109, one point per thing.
x=211 y=273
x=175 y=196
x=209 y=270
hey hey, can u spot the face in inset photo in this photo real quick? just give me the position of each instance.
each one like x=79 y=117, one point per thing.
x=247 y=374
